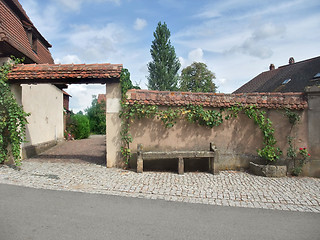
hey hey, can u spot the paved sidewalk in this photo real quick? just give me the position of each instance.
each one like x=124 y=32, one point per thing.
x=80 y=166
x=228 y=188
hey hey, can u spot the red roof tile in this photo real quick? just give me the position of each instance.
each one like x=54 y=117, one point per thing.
x=65 y=93
x=68 y=73
x=44 y=54
x=261 y=100
x=101 y=98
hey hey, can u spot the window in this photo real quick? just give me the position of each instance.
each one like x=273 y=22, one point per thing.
x=317 y=75
x=286 y=81
x=34 y=44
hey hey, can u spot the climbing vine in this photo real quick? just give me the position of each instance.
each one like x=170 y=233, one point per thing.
x=269 y=152
x=13 y=119
x=293 y=117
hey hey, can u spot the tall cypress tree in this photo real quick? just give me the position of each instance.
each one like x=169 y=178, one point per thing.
x=163 y=69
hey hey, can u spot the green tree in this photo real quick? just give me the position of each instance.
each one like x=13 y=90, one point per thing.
x=97 y=116
x=197 y=78
x=165 y=65
x=126 y=82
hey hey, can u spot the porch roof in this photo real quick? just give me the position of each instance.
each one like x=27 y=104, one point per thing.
x=65 y=73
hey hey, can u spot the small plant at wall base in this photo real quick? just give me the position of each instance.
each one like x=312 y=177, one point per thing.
x=13 y=119
x=299 y=157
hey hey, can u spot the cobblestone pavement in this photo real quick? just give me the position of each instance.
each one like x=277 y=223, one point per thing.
x=228 y=188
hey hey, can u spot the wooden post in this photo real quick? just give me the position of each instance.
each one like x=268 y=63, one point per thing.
x=181 y=166
x=139 y=159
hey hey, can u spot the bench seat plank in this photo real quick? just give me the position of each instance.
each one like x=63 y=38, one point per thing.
x=177 y=154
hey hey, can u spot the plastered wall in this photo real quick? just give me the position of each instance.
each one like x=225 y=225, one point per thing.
x=237 y=139
x=45 y=103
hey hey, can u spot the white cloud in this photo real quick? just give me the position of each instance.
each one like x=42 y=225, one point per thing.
x=97 y=44
x=140 y=24
x=260 y=43
x=45 y=19
x=183 y=62
x=267 y=31
x=196 y=55
x=68 y=59
x=73 y=5
x=76 y=5
x=82 y=95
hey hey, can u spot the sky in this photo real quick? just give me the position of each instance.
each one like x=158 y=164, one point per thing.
x=237 y=40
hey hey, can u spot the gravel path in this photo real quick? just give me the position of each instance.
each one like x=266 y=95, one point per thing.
x=91 y=150
x=80 y=166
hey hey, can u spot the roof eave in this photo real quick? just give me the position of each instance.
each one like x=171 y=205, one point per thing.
x=58 y=81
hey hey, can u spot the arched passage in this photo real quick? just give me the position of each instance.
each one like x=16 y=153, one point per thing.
x=63 y=74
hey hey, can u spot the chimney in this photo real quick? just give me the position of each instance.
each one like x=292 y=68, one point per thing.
x=291 y=60
x=271 y=67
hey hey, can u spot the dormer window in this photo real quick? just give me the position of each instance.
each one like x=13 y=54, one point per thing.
x=317 y=75
x=34 y=44
x=31 y=36
x=286 y=81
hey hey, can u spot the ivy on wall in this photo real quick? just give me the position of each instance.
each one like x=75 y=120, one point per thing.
x=198 y=115
x=13 y=119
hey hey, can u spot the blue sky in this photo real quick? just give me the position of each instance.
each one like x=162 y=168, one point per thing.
x=236 y=39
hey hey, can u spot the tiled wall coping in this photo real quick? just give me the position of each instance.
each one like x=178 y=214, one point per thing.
x=262 y=100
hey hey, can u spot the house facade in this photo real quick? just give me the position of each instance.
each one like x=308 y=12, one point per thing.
x=20 y=38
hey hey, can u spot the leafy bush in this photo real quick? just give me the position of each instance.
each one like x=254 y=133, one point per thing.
x=97 y=116
x=79 y=126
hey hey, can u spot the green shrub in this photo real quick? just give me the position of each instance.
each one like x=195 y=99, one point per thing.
x=79 y=126
x=97 y=116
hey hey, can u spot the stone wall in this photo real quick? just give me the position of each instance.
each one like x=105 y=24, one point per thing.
x=236 y=139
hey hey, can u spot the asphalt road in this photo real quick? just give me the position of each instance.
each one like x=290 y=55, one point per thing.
x=27 y=213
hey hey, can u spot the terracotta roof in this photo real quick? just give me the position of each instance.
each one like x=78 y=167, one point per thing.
x=13 y=37
x=64 y=73
x=101 y=97
x=301 y=74
x=23 y=12
x=261 y=100
x=65 y=93
x=44 y=54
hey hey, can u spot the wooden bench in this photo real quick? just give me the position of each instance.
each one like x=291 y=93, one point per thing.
x=180 y=155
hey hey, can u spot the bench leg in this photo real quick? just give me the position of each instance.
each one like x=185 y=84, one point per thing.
x=139 y=165
x=139 y=159
x=181 y=166
x=211 y=165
